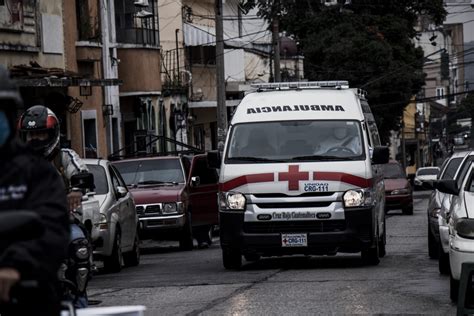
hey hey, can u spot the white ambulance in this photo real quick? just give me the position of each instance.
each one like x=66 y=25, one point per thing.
x=300 y=174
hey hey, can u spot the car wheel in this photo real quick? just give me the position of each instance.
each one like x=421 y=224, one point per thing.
x=231 y=258
x=407 y=210
x=432 y=245
x=383 y=241
x=453 y=289
x=132 y=258
x=186 y=236
x=443 y=261
x=371 y=256
x=252 y=257
x=115 y=261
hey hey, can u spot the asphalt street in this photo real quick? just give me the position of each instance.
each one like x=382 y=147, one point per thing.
x=173 y=282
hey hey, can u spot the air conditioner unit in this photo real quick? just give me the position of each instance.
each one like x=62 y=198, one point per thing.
x=143 y=14
x=141 y=3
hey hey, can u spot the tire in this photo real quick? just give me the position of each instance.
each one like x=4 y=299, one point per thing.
x=453 y=289
x=443 y=262
x=371 y=256
x=408 y=210
x=114 y=262
x=252 y=257
x=383 y=241
x=433 y=247
x=186 y=236
x=132 y=258
x=231 y=258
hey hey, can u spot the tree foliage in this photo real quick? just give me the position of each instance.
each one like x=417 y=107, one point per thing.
x=368 y=42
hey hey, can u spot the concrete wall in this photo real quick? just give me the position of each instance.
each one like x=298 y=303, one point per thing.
x=30 y=38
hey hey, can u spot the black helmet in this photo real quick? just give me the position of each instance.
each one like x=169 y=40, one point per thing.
x=39 y=127
x=10 y=102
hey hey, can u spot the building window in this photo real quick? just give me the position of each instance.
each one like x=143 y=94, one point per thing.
x=137 y=24
x=439 y=93
x=11 y=14
x=89 y=133
x=202 y=55
x=87 y=25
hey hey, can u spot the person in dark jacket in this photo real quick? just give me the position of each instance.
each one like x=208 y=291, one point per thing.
x=29 y=182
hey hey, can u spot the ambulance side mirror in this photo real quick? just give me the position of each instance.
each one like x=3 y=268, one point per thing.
x=214 y=159
x=380 y=155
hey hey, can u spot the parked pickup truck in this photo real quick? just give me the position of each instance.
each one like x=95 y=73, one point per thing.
x=175 y=196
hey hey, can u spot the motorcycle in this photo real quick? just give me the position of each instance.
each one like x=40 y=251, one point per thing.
x=76 y=270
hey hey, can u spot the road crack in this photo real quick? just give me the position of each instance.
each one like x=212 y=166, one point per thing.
x=238 y=291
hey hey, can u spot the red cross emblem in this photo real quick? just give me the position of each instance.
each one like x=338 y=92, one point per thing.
x=293 y=176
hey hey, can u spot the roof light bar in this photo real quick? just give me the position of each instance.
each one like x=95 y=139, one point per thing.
x=340 y=84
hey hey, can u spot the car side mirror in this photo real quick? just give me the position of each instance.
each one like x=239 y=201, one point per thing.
x=121 y=191
x=380 y=155
x=214 y=159
x=195 y=181
x=83 y=181
x=448 y=186
x=429 y=185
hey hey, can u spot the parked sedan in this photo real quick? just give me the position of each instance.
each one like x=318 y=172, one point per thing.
x=448 y=170
x=425 y=174
x=398 y=192
x=461 y=225
x=118 y=228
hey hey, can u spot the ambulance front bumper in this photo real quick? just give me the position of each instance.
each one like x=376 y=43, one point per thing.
x=351 y=234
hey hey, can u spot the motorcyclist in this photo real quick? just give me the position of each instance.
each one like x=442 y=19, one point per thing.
x=39 y=127
x=28 y=182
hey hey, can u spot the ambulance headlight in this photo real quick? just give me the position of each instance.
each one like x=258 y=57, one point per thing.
x=465 y=227
x=232 y=201
x=358 y=198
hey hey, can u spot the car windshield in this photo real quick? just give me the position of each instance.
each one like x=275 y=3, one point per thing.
x=100 y=179
x=152 y=172
x=295 y=140
x=428 y=172
x=393 y=171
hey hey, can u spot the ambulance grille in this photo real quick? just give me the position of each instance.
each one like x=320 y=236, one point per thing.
x=282 y=195
x=294 y=204
x=295 y=227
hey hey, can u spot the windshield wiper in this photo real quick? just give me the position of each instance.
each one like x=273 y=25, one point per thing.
x=156 y=182
x=322 y=157
x=256 y=159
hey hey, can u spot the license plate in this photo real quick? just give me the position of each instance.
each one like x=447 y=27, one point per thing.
x=294 y=240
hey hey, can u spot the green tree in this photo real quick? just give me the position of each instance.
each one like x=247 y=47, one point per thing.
x=368 y=42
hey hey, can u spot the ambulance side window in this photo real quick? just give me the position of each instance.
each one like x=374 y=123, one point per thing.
x=374 y=134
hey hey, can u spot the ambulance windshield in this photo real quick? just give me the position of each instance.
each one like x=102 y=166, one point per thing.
x=296 y=140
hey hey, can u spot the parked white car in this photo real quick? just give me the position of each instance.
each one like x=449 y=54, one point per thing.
x=118 y=228
x=461 y=225
x=425 y=174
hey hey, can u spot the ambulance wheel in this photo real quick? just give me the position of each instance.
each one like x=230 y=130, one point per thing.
x=383 y=241
x=370 y=256
x=443 y=261
x=252 y=257
x=232 y=258
x=453 y=289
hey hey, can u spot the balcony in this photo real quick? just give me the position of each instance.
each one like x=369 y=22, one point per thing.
x=138 y=36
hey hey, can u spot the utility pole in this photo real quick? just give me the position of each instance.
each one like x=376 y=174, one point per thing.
x=276 y=39
x=404 y=157
x=220 y=78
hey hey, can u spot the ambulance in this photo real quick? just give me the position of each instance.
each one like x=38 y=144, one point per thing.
x=301 y=174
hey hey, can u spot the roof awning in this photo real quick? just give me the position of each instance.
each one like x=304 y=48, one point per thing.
x=199 y=35
x=211 y=104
